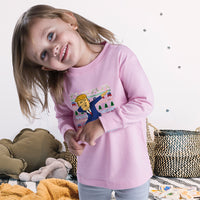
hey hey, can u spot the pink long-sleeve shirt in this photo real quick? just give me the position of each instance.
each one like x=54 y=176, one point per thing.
x=119 y=160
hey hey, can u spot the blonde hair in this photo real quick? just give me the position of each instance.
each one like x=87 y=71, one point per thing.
x=30 y=79
x=80 y=97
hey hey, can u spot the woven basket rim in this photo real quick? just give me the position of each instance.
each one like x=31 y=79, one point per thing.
x=171 y=132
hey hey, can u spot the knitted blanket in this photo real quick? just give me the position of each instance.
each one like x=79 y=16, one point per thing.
x=47 y=189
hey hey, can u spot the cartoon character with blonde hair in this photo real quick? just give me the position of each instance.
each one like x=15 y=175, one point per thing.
x=89 y=107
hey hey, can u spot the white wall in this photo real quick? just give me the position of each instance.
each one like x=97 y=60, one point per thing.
x=168 y=51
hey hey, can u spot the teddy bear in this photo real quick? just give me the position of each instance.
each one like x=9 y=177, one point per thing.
x=28 y=152
x=55 y=168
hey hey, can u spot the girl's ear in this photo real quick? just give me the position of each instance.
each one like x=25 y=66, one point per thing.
x=72 y=21
x=46 y=69
x=75 y=27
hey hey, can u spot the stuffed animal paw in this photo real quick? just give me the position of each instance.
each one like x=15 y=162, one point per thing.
x=25 y=176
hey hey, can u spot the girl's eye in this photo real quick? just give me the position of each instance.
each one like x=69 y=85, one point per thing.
x=43 y=54
x=50 y=36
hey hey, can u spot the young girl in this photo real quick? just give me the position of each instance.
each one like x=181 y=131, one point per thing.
x=102 y=98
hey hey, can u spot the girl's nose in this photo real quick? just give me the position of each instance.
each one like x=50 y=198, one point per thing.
x=55 y=50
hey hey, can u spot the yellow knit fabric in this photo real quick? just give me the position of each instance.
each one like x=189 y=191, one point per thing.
x=47 y=189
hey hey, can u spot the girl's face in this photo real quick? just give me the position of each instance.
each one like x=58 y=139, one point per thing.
x=54 y=44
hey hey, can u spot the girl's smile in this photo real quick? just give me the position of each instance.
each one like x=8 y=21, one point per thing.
x=64 y=53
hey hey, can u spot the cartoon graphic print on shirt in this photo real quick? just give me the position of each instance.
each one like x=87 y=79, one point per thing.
x=89 y=105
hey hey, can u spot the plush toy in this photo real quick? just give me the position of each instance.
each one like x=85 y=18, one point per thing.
x=28 y=152
x=55 y=168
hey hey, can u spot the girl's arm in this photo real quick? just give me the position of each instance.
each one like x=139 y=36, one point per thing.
x=138 y=92
x=67 y=129
x=65 y=118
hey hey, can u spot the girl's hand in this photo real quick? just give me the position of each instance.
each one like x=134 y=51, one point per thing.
x=73 y=145
x=90 y=132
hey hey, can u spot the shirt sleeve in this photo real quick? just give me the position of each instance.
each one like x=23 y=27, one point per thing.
x=65 y=118
x=138 y=93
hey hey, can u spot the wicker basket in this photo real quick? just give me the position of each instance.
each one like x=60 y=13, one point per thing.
x=150 y=144
x=72 y=159
x=177 y=153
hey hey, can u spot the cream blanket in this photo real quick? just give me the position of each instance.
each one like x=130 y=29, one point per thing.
x=47 y=189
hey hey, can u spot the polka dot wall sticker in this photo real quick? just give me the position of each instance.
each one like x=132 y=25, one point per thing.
x=179 y=67
x=167 y=110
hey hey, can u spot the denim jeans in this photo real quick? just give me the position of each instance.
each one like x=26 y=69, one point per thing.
x=97 y=193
